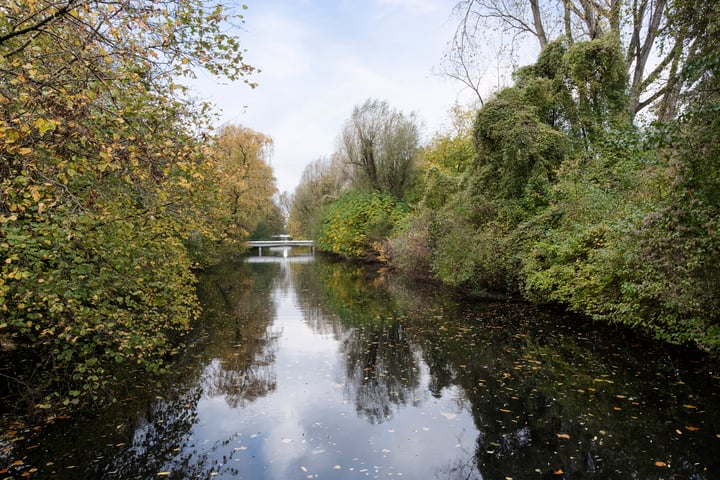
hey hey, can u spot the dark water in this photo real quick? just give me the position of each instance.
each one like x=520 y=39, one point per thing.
x=312 y=369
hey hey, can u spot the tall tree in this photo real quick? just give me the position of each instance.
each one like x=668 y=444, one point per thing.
x=379 y=144
x=246 y=181
x=104 y=176
x=644 y=28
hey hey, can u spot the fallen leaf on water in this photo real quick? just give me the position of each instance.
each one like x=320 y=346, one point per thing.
x=504 y=410
x=565 y=436
x=163 y=474
x=303 y=468
x=559 y=471
x=690 y=406
x=690 y=428
x=660 y=464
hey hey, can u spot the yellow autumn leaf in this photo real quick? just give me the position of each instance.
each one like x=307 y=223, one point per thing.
x=43 y=126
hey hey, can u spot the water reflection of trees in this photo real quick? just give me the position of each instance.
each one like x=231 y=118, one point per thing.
x=556 y=396
x=233 y=358
x=241 y=346
x=381 y=365
x=381 y=370
x=548 y=392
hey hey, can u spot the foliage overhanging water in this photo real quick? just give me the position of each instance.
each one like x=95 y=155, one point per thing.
x=305 y=368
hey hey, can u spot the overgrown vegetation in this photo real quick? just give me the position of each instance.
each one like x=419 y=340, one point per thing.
x=559 y=194
x=351 y=203
x=358 y=223
x=110 y=189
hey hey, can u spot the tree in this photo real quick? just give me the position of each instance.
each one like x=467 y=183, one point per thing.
x=673 y=289
x=357 y=223
x=321 y=184
x=246 y=182
x=645 y=30
x=105 y=174
x=379 y=145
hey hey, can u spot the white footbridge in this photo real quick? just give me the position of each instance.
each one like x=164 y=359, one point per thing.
x=281 y=243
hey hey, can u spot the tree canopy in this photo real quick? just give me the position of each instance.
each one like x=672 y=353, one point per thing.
x=655 y=44
x=379 y=145
x=106 y=173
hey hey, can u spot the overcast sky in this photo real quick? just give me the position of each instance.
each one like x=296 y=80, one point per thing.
x=320 y=58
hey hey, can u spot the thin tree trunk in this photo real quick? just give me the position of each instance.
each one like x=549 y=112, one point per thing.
x=568 y=21
x=537 y=20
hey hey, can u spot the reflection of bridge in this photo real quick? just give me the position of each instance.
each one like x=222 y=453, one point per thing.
x=282 y=243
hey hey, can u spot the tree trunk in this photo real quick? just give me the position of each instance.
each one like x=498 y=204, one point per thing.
x=537 y=20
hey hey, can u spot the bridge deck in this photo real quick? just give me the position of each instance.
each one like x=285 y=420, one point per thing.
x=260 y=244
x=281 y=243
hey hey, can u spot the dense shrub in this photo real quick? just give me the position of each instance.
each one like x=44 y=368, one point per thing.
x=358 y=223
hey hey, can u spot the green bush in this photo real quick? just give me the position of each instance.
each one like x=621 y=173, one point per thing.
x=357 y=224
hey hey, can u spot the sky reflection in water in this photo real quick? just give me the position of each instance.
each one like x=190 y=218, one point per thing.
x=309 y=423
x=306 y=368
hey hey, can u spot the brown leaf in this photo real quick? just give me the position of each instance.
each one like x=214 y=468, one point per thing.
x=565 y=436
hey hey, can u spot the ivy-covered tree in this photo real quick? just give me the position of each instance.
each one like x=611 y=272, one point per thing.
x=653 y=48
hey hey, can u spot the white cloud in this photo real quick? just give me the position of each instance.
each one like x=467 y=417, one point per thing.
x=420 y=6
x=319 y=59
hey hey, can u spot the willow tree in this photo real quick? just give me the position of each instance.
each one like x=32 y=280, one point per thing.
x=104 y=174
x=379 y=144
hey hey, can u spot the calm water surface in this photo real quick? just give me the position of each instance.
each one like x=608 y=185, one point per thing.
x=305 y=368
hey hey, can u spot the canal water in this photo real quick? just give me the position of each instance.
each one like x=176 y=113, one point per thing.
x=306 y=368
